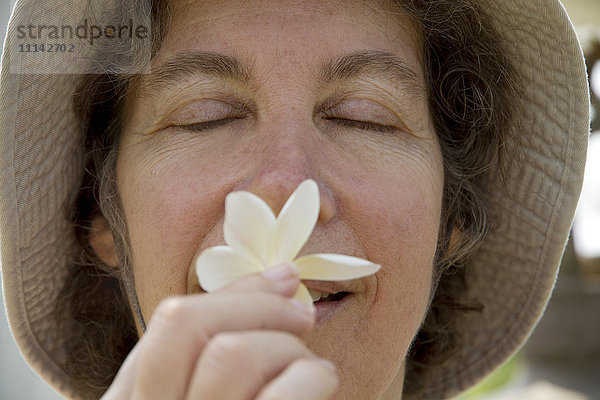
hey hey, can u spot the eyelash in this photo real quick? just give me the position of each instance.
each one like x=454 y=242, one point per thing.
x=208 y=125
x=364 y=125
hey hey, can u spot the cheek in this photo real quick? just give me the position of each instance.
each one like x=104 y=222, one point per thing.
x=175 y=207
x=404 y=243
x=395 y=209
x=394 y=213
x=408 y=207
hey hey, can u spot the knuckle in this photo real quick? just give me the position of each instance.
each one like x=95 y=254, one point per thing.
x=171 y=311
x=227 y=349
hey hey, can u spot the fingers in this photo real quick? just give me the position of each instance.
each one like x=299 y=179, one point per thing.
x=237 y=366
x=180 y=328
x=162 y=364
x=304 y=379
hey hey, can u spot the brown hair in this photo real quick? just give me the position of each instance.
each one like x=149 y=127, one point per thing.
x=472 y=99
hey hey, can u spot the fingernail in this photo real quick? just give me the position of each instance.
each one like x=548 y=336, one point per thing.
x=304 y=307
x=327 y=364
x=280 y=272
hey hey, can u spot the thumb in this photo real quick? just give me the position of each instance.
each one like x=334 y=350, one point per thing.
x=281 y=279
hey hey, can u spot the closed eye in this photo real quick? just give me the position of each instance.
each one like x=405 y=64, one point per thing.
x=207 y=125
x=364 y=125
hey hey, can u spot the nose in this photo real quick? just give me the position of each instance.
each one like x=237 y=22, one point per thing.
x=288 y=160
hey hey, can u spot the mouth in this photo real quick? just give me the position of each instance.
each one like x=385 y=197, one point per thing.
x=328 y=298
x=321 y=297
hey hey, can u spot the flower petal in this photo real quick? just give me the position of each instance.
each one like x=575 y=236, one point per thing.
x=220 y=265
x=249 y=225
x=334 y=267
x=297 y=219
x=304 y=296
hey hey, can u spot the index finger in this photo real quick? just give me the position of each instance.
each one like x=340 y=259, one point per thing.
x=281 y=279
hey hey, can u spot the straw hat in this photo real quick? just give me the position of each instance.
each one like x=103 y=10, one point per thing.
x=512 y=274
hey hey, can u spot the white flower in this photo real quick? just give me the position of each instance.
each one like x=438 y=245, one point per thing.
x=257 y=240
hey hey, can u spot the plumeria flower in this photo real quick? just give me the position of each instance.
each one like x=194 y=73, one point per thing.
x=257 y=240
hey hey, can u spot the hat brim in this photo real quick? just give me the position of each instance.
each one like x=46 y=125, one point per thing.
x=514 y=271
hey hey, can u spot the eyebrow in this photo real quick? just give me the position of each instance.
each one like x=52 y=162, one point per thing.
x=187 y=65
x=349 y=66
x=371 y=62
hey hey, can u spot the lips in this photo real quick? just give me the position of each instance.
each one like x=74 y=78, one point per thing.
x=329 y=297
x=330 y=287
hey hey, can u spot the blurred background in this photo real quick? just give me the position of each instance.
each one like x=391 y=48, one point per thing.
x=561 y=361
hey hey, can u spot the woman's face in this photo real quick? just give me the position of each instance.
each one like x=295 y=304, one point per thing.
x=259 y=96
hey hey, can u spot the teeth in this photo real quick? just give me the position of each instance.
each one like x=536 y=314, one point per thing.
x=316 y=296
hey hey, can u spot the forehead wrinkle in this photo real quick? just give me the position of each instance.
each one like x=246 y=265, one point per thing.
x=191 y=64
x=372 y=62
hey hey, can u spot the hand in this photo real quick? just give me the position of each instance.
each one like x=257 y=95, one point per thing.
x=238 y=343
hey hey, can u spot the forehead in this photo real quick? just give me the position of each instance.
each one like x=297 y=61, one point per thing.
x=254 y=28
x=276 y=11
x=331 y=39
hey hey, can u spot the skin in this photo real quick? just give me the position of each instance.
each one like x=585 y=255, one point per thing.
x=380 y=194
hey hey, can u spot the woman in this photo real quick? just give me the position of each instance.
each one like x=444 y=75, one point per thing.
x=446 y=139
